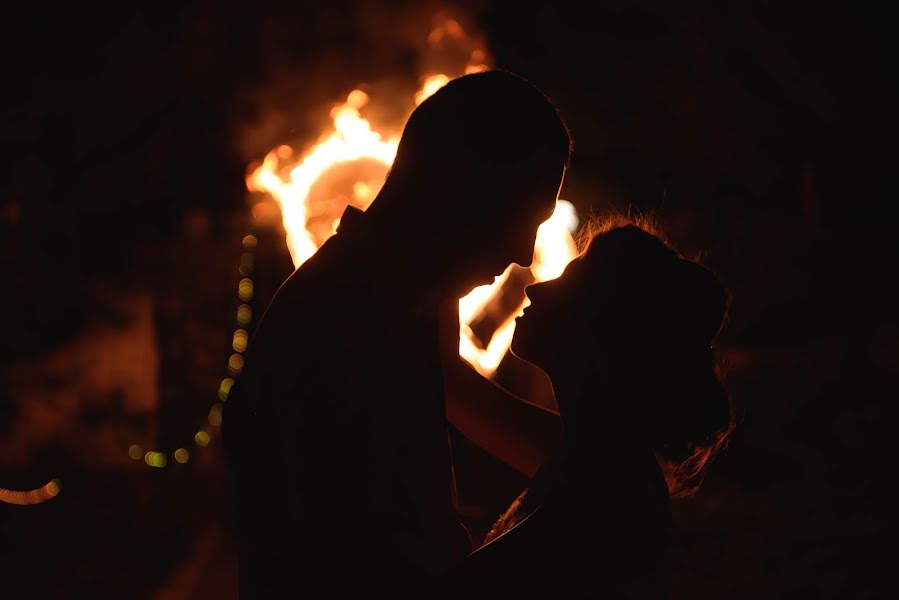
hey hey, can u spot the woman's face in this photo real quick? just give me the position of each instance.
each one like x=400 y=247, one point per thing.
x=552 y=333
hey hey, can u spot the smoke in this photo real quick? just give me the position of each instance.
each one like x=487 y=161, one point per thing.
x=309 y=60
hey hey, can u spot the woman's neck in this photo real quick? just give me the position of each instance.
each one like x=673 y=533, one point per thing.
x=595 y=423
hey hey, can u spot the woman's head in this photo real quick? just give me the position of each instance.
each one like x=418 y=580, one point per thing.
x=629 y=329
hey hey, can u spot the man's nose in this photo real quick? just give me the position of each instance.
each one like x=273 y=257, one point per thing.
x=526 y=257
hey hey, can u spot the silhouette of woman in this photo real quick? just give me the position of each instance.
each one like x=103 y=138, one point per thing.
x=626 y=335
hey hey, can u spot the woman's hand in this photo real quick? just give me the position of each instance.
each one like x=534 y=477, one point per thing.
x=519 y=433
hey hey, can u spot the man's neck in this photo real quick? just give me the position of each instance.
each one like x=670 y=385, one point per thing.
x=396 y=257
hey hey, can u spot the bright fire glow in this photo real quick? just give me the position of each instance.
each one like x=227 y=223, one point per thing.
x=554 y=248
x=351 y=139
x=431 y=85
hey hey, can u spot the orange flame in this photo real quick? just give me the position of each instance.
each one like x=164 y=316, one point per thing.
x=554 y=248
x=431 y=84
x=351 y=139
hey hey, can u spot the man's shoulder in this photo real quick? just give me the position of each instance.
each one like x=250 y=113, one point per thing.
x=340 y=264
x=317 y=287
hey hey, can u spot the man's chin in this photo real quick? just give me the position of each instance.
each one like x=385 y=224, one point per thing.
x=463 y=289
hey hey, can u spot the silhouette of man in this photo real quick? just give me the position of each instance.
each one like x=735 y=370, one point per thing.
x=336 y=432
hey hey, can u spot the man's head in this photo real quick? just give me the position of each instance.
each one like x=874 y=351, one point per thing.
x=477 y=170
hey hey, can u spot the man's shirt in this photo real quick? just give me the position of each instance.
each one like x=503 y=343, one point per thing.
x=337 y=428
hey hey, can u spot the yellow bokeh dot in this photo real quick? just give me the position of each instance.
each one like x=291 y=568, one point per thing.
x=246 y=264
x=224 y=388
x=202 y=438
x=135 y=452
x=244 y=315
x=249 y=242
x=182 y=455
x=215 y=415
x=239 y=341
x=155 y=459
x=235 y=364
x=245 y=289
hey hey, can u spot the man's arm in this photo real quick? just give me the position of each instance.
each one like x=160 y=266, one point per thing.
x=519 y=433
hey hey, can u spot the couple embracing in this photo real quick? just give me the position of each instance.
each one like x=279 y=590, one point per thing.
x=336 y=433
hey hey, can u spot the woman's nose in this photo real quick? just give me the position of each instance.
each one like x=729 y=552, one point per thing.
x=534 y=291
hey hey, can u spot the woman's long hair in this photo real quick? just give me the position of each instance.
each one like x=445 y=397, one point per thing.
x=659 y=315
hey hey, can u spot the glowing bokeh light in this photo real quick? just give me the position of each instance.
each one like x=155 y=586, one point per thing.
x=235 y=364
x=215 y=415
x=47 y=491
x=244 y=315
x=224 y=388
x=245 y=289
x=239 y=341
x=246 y=264
x=155 y=459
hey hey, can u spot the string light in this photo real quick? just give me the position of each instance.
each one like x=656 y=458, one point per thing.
x=245 y=289
x=155 y=459
x=244 y=315
x=235 y=364
x=215 y=415
x=224 y=388
x=239 y=342
x=36 y=496
x=246 y=264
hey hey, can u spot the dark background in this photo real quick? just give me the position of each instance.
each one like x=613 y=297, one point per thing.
x=760 y=133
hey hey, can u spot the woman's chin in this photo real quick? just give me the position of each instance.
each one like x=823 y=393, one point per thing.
x=520 y=348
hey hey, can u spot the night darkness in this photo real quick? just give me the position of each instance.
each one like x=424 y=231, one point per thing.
x=759 y=133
